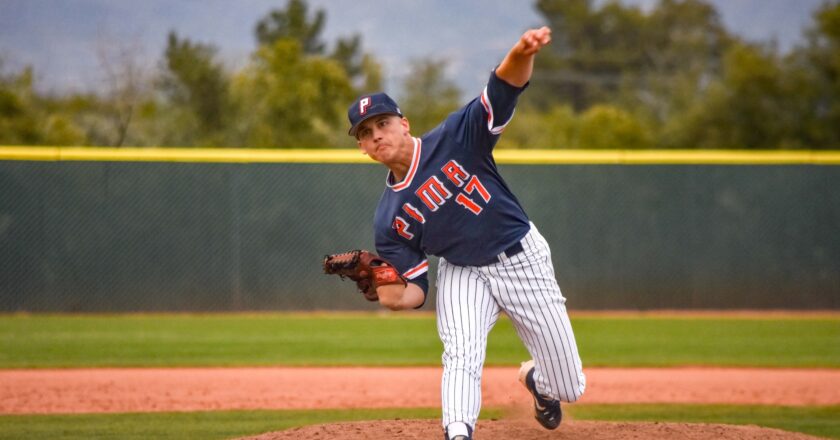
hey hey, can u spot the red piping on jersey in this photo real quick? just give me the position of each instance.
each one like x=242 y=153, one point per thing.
x=488 y=107
x=485 y=101
x=417 y=270
x=415 y=161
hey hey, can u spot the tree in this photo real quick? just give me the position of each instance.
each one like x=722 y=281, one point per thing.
x=600 y=127
x=192 y=79
x=815 y=71
x=556 y=127
x=126 y=86
x=290 y=100
x=619 y=54
x=293 y=23
x=361 y=67
x=608 y=127
x=29 y=119
x=764 y=100
x=429 y=96
x=348 y=52
x=19 y=123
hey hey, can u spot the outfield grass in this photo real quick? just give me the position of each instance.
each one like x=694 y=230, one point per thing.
x=820 y=421
x=39 y=341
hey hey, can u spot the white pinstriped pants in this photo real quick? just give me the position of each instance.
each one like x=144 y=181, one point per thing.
x=469 y=300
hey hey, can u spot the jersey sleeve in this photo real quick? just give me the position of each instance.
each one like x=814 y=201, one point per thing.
x=484 y=118
x=411 y=263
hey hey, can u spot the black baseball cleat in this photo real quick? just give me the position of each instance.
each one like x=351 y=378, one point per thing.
x=546 y=410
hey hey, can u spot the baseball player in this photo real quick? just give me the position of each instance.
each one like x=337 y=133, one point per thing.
x=444 y=196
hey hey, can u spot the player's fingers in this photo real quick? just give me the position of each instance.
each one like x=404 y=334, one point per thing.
x=532 y=38
x=531 y=42
x=531 y=45
x=537 y=37
x=543 y=35
x=527 y=43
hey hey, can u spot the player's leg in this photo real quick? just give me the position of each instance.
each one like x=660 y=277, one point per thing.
x=466 y=312
x=526 y=289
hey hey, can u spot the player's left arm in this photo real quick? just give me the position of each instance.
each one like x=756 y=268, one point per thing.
x=413 y=266
x=518 y=64
x=398 y=297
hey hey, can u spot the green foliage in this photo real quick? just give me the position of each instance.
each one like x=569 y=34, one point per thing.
x=363 y=68
x=429 y=96
x=59 y=129
x=27 y=118
x=372 y=72
x=18 y=119
x=764 y=100
x=294 y=95
x=815 y=71
x=290 y=100
x=604 y=126
x=615 y=76
x=194 y=82
x=683 y=81
x=556 y=127
x=598 y=51
x=599 y=127
x=293 y=23
x=735 y=110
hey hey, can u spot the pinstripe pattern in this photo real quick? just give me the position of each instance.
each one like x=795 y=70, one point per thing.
x=469 y=300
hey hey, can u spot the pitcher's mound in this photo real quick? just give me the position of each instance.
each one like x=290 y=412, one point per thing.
x=522 y=430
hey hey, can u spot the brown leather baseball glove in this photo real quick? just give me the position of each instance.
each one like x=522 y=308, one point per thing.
x=367 y=269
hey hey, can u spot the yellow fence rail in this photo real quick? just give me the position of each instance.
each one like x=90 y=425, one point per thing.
x=536 y=157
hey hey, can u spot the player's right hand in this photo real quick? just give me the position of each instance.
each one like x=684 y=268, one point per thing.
x=533 y=40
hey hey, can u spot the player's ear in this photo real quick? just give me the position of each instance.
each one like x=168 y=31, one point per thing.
x=406 y=125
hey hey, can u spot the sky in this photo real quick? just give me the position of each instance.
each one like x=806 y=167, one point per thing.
x=65 y=41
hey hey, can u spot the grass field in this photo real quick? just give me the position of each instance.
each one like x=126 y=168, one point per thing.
x=35 y=341
x=42 y=341
x=819 y=421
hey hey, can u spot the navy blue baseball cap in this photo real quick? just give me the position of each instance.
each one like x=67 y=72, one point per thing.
x=369 y=106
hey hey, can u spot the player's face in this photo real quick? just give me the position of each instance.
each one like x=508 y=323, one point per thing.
x=384 y=138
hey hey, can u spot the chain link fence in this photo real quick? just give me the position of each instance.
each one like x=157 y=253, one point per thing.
x=149 y=236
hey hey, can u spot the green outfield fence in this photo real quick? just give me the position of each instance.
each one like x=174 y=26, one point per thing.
x=102 y=230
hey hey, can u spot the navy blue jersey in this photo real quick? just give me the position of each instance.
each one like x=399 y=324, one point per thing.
x=453 y=203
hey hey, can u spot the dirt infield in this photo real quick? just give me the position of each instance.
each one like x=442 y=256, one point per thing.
x=522 y=430
x=196 y=389
x=202 y=389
